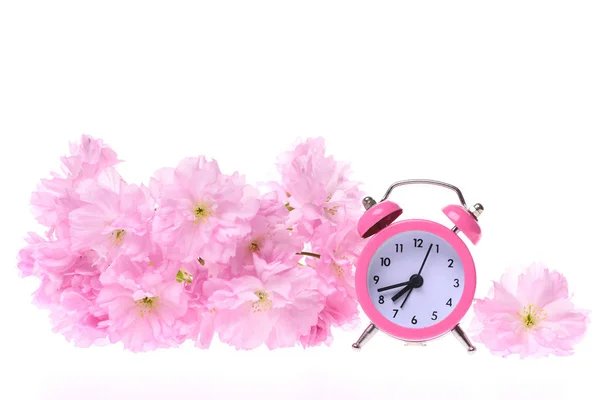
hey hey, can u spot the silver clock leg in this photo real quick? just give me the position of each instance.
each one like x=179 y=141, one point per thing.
x=463 y=339
x=364 y=338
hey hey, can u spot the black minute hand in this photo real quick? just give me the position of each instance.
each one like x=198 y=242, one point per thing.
x=383 y=289
x=414 y=285
x=425 y=260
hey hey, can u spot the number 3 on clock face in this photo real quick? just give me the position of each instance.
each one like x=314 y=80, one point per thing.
x=415 y=280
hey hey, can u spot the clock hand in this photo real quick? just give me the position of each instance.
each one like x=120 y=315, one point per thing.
x=425 y=260
x=393 y=286
x=417 y=280
x=400 y=293
x=406 y=298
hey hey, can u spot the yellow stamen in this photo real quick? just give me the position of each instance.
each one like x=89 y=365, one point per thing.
x=202 y=212
x=146 y=305
x=263 y=303
x=338 y=269
x=332 y=210
x=254 y=246
x=531 y=316
x=118 y=235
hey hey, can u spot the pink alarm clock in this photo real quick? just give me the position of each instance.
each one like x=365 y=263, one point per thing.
x=415 y=278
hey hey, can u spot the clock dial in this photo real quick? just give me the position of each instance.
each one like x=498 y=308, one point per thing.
x=404 y=296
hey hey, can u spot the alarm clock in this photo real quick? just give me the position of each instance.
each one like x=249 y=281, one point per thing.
x=415 y=278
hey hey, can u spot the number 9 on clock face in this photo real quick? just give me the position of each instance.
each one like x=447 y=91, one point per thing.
x=415 y=280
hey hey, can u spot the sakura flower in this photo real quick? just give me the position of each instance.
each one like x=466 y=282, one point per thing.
x=531 y=315
x=88 y=158
x=75 y=314
x=27 y=255
x=318 y=187
x=145 y=314
x=337 y=249
x=114 y=222
x=53 y=260
x=69 y=286
x=201 y=211
x=196 y=254
x=56 y=197
x=319 y=334
x=341 y=310
x=270 y=237
x=275 y=308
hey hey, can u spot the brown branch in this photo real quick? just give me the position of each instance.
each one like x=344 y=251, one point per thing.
x=306 y=253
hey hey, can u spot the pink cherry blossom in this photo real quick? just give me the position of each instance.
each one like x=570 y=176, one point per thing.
x=114 y=222
x=338 y=248
x=56 y=197
x=340 y=310
x=145 y=314
x=197 y=254
x=319 y=334
x=319 y=187
x=88 y=158
x=275 y=308
x=27 y=255
x=69 y=286
x=201 y=211
x=531 y=315
x=270 y=237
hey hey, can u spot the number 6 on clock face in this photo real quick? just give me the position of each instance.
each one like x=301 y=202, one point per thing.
x=416 y=280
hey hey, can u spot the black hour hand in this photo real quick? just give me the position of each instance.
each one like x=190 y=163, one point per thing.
x=401 y=293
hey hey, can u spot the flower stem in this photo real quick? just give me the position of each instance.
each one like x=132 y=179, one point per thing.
x=306 y=253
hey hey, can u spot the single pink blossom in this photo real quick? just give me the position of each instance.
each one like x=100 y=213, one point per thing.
x=341 y=310
x=69 y=286
x=55 y=198
x=275 y=308
x=338 y=248
x=112 y=222
x=270 y=237
x=77 y=317
x=201 y=211
x=145 y=314
x=319 y=334
x=27 y=255
x=88 y=157
x=51 y=204
x=318 y=186
x=532 y=315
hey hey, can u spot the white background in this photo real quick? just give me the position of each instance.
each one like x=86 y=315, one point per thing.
x=499 y=98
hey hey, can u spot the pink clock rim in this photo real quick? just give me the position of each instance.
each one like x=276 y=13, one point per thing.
x=433 y=331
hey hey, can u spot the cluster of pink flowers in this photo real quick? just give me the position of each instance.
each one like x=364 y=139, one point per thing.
x=196 y=253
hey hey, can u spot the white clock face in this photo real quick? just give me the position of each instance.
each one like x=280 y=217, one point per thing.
x=418 y=300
